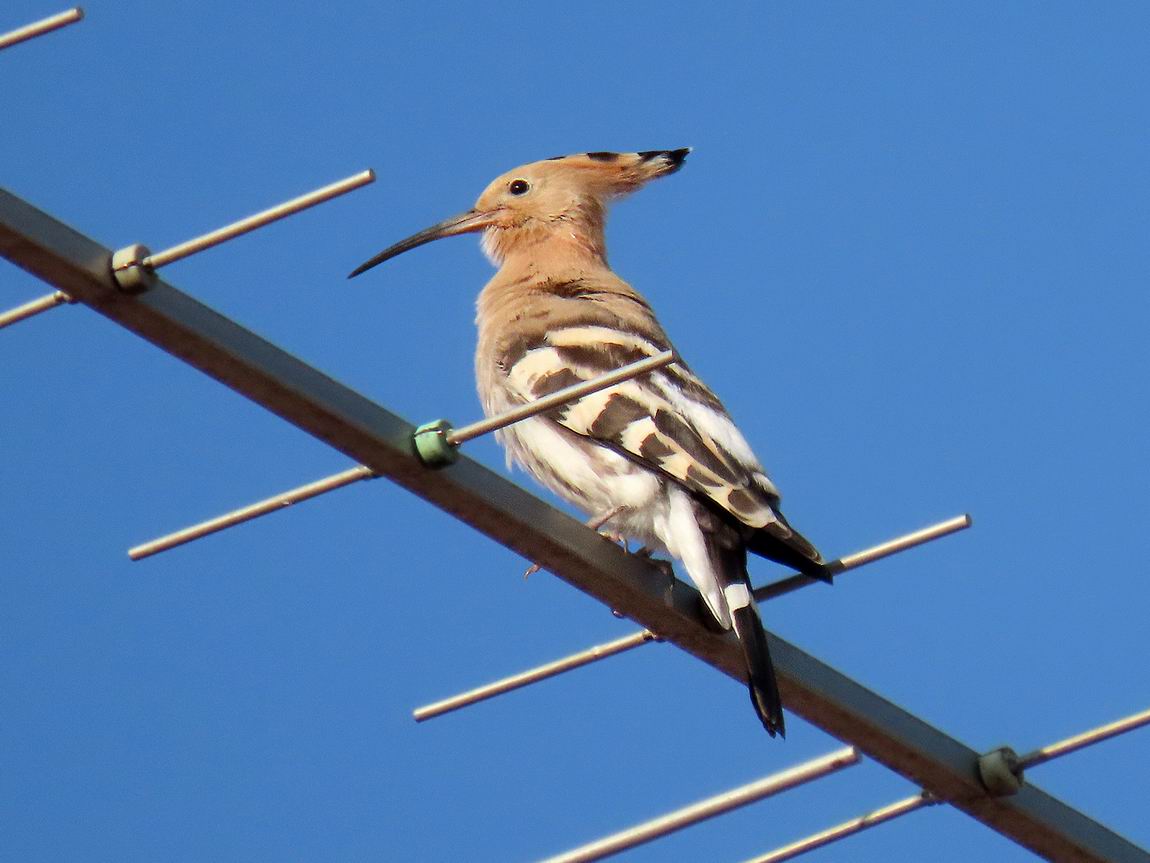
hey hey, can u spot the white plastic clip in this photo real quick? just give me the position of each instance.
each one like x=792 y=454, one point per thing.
x=132 y=274
x=1001 y=771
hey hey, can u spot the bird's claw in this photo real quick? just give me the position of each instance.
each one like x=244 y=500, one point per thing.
x=617 y=538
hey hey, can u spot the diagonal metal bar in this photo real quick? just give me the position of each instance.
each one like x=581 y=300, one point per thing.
x=373 y=436
x=39 y=28
x=847 y=828
x=258 y=220
x=1086 y=738
x=533 y=675
x=719 y=804
x=868 y=555
x=33 y=308
x=275 y=503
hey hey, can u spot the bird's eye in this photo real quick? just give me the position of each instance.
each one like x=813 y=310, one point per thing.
x=518 y=187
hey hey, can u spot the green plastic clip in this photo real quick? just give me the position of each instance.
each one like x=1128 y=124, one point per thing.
x=431 y=444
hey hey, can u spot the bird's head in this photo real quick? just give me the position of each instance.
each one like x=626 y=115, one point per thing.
x=561 y=200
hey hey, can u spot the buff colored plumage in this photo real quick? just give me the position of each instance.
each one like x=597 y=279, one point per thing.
x=657 y=457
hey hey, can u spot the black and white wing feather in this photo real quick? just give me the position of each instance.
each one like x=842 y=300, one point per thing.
x=667 y=420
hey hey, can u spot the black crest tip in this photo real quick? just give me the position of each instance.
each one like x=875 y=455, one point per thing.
x=674 y=158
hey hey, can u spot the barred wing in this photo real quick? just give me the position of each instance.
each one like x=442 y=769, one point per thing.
x=667 y=420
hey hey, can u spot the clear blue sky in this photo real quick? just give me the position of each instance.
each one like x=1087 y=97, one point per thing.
x=909 y=251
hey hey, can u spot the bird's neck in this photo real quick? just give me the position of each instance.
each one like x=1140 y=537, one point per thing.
x=573 y=240
x=529 y=289
x=531 y=274
x=559 y=258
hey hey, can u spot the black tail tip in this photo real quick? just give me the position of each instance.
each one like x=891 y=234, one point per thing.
x=769 y=707
x=772 y=722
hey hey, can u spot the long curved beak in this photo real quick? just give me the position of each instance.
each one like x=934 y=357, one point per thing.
x=464 y=223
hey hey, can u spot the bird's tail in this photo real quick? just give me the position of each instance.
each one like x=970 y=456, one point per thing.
x=760 y=670
x=729 y=562
x=720 y=573
x=782 y=543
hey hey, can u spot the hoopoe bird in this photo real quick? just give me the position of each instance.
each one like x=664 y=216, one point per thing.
x=657 y=457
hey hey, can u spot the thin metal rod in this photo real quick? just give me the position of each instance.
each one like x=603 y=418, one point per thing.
x=560 y=397
x=247 y=513
x=869 y=555
x=28 y=310
x=39 y=28
x=911 y=804
x=847 y=828
x=637 y=639
x=266 y=217
x=542 y=672
x=709 y=808
x=1086 y=738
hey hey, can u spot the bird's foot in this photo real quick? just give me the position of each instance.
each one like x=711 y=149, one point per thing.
x=594 y=523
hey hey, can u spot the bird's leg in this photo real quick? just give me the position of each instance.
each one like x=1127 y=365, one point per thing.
x=600 y=520
x=594 y=523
